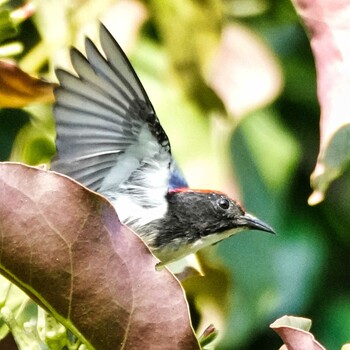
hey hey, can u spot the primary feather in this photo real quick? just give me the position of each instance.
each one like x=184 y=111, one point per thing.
x=109 y=137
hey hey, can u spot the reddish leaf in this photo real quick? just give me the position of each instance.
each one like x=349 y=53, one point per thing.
x=18 y=89
x=24 y=12
x=65 y=247
x=124 y=20
x=328 y=24
x=208 y=336
x=244 y=72
x=294 y=333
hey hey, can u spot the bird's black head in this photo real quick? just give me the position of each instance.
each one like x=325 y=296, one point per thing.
x=202 y=218
x=208 y=212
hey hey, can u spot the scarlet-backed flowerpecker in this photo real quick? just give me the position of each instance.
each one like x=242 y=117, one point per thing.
x=109 y=138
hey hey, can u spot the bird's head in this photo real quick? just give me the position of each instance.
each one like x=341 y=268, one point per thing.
x=197 y=218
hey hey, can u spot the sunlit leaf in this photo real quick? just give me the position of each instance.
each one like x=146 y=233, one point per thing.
x=34 y=143
x=211 y=297
x=208 y=336
x=190 y=58
x=17 y=88
x=24 y=12
x=7 y=27
x=21 y=325
x=11 y=297
x=292 y=331
x=65 y=247
x=124 y=20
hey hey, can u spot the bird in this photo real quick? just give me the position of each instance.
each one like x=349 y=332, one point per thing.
x=109 y=138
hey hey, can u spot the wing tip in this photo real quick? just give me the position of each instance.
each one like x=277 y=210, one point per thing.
x=103 y=30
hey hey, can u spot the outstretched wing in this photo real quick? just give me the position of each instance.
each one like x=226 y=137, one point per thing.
x=108 y=135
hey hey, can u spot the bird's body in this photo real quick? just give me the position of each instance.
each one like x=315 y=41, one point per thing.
x=109 y=138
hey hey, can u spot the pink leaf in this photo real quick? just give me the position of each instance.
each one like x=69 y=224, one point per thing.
x=294 y=333
x=328 y=23
x=244 y=72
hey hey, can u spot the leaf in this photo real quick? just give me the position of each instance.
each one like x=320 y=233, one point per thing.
x=263 y=131
x=18 y=89
x=190 y=58
x=65 y=247
x=228 y=66
x=208 y=336
x=7 y=27
x=35 y=141
x=328 y=25
x=11 y=297
x=124 y=20
x=212 y=303
x=244 y=72
x=294 y=333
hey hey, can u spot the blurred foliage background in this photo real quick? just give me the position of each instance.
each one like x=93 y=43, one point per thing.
x=234 y=85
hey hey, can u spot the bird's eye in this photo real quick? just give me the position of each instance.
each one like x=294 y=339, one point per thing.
x=224 y=203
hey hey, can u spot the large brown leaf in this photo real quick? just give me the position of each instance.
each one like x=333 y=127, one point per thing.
x=65 y=247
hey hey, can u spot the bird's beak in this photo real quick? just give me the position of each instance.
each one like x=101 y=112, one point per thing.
x=253 y=223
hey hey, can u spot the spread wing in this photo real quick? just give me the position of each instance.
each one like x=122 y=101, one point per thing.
x=108 y=135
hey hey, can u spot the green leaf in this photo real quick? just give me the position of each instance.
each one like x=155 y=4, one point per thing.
x=208 y=336
x=12 y=298
x=7 y=27
x=273 y=148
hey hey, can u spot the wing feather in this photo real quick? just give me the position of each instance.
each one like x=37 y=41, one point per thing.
x=108 y=135
x=121 y=66
x=89 y=90
x=87 y=73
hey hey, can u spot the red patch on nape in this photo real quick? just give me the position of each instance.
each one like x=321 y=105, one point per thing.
x=187 y=189
x=216 y=192
x=210 y=191
x=181 y=189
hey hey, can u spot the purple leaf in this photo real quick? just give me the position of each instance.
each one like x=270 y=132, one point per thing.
x=65 y=247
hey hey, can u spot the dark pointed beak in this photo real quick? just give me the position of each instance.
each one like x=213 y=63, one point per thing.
x=253 y=223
